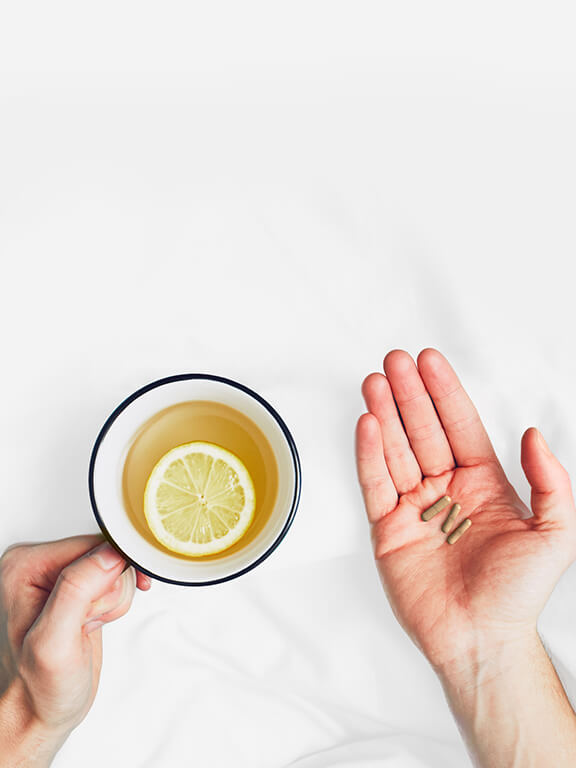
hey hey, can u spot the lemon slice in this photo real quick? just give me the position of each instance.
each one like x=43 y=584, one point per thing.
x=199 y=499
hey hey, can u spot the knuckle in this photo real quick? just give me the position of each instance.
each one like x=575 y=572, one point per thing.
x=462 y=424
x=69 y=583
x=126 y=598
x=457 y=390
x=435 y=470
x=120 y=610
x=425 y=431
x=396 y=451
x=375 y=484
x=411 y=398
x=38 y=654
x=10 y=565
x=111 y=609
x=12 y=554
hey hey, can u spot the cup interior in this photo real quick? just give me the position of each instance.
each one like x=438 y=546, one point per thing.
x=107 y=488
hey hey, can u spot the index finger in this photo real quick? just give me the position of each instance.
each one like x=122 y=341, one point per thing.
x=45 y=559
x=466 y=434
x=79 y=584
x=380 y=495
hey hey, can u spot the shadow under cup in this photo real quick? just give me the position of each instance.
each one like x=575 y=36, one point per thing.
x=193 y=407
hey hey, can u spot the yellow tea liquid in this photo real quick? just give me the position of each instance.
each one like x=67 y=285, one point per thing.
x=212 y=422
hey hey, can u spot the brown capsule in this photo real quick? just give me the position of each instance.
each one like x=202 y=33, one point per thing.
x=460 y=531
x=452 y=515
x=438 y=506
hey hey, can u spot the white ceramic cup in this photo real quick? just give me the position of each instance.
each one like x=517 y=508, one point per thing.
x=114 y=442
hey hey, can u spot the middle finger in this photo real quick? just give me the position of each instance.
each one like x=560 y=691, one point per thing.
x=423 y=428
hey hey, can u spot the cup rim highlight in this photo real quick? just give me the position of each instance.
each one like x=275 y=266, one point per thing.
x=224 y=380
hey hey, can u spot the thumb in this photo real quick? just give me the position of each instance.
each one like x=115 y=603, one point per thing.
x=552 y=500
x=78 y=585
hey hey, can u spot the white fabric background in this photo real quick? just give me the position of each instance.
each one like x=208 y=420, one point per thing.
x=280 y=193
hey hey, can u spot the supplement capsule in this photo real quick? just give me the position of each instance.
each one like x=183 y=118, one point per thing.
x=462 y=528
x=452 y=515
x=438 y=506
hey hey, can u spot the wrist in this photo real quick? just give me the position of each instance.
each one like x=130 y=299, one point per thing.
x=509 y=704
x=489 y=658
x=25 y=742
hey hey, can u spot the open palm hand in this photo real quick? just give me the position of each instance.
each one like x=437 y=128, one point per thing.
x=421 y=439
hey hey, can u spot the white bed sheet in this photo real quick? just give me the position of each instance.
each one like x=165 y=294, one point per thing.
x=280 y=194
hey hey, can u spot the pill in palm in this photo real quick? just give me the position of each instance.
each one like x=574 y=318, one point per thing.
x=460 y=531
x=438 y=506
x=452 y=515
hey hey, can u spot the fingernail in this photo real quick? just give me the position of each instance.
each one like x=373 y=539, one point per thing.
x=92 y=625
x=107 y=556
x=544 y=444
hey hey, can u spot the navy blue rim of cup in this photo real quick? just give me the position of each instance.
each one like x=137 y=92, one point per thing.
x=289 y=439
